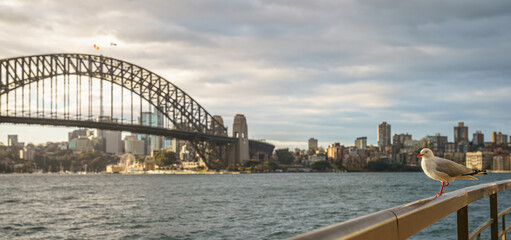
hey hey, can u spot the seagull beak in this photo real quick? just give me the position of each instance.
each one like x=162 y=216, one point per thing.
x=420 y=155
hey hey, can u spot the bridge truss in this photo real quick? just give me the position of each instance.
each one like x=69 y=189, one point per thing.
x=100 y=92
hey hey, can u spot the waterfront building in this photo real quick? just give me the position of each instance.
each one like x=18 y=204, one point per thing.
x=478 y=138
x=193 y=165
x=501 y=162
x=361 y=143
x=334 y=152
x=383 y=132
x=313 y=144
x=316 y=158
x=478 y=160
x=460 y=133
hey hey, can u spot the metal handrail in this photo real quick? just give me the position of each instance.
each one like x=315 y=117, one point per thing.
x=406 y=220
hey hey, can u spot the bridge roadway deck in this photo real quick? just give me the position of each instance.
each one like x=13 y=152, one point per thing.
x=180 y=134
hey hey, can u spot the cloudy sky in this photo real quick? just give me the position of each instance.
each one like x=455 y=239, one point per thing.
x=332 y=70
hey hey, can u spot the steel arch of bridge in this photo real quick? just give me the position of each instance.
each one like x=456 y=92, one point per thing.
x=191 y=121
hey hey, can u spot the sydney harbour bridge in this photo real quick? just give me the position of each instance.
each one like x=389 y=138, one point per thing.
x=95 y=91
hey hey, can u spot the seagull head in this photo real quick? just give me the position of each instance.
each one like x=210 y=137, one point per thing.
x=426 y=153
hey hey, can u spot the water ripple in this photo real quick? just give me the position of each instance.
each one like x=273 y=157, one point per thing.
x=254 y=206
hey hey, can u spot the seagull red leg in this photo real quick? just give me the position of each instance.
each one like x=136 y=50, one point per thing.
x=442 y=189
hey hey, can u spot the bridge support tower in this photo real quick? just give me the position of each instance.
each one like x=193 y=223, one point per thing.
x=239 y=151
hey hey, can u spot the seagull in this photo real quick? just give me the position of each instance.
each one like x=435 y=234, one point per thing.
x=445 y=170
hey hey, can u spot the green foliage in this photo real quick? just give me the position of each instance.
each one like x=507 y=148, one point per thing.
x=321 y=165
x=284 y=156
x=337 y=165
x=271 y=164
x=164 y=158
x=258 y=167
x=251 y=163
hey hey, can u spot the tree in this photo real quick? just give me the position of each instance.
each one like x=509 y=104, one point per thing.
x=321 y=165
x=272 y=165
x=284 y=156
x=163 y=158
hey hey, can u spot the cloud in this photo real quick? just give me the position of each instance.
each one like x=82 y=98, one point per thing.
x=326 y=69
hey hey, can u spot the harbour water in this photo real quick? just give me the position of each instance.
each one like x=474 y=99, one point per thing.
x=245 y=206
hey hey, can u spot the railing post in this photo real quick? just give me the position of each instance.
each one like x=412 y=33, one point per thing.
x=504 y=237
x=462 y=217
x=494 y=213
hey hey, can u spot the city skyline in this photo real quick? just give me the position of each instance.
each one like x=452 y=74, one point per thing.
x=329 y=70
x=306 y=144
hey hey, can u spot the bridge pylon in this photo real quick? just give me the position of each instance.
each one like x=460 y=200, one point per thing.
x=239 y=151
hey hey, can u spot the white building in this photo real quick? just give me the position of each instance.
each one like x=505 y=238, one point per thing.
x=478 y=160
x=81 y=144
x=361 y=143
x=28 y=153
x=63 y=145
x=316 y=158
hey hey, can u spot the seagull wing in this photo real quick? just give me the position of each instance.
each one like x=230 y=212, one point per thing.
x=453 y=169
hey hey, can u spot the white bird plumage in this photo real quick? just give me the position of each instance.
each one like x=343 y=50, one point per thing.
x=445 y=170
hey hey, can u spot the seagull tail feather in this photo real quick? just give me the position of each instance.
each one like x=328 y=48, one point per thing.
x=476 y=173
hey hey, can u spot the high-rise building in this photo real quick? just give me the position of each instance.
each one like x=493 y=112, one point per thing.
x=110 y=141
x=460 y=133
x=151 y=142
x=494 y=137
x=478 y=138
x=399 y=139
x=334 y=152
x=12 y=140
x=361 y=143
x=133 y=145
x=383 y=134
x=313 y=144
x=113 y=142
x=501 y=139
x=437 y=143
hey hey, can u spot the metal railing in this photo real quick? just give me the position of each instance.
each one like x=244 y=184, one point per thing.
x=404 y=221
